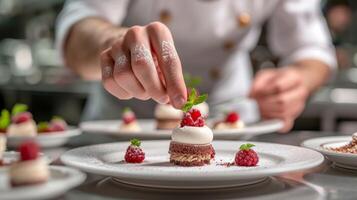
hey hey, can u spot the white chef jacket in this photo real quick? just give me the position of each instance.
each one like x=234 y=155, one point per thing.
x=210 y=41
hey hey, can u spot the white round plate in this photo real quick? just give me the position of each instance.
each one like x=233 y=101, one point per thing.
x=61 y=180
x=53 y=139
x=156 y=171
x=345 y=160
x=149 y=131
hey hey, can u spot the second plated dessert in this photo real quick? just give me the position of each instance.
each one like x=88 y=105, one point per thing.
x=351 y=147
x=191 y=142
x=167 y=117
x=129 y=122
x=31 y=168
x=231 y=121
x=22 y=123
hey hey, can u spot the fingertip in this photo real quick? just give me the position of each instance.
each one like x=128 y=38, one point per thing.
x=178 y=101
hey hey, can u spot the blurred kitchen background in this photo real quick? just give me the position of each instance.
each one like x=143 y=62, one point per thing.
x=31 y=71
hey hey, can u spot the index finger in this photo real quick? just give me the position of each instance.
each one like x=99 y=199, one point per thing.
x=169 y=63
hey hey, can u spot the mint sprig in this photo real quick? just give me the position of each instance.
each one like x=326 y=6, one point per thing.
x=126 y=109
x=135 y=142
x=194 y=99
x=192 y=81
x=41 y=126
x=19 y=108
x=5 y=119
x=246 y=146
x=56 y=117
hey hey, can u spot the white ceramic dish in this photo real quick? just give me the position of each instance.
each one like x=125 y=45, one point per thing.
x=45 y=140
x=156 y=171
x=61 y=180
x=345 y=160
x=149 y=131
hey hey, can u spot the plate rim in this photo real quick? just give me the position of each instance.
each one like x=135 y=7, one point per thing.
x=319 y=158
x=70 y=132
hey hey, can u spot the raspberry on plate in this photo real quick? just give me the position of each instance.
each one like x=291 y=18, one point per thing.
x=29 y=150
x=246 y=156
x=232 y=117
x=134 y=154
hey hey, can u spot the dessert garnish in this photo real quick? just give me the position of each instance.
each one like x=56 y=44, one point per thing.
x=128 y=115
x=5 y=120
x=246 y=156
x=29 y=151
x=57 y=124
x=193 y=99
x=19 y=114
x=134 y=154
x=232 y=117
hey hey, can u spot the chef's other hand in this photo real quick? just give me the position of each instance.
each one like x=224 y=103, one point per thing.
x=280 y=93
x=144 y=64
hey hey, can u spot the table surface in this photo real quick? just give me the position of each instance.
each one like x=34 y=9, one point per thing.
x=323 y=182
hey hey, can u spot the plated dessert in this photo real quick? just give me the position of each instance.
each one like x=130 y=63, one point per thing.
x=351 y=147
x=231 y=121
x=191 y=142
x=129 y=122
x=57 y=124
x=22 y=123
x=167 y=117
x=31 y=168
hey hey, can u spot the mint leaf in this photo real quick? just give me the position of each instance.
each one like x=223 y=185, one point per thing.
x=41 y=126
x=193 y=99
x=135 y=142
x=200 y=99
x=193 y=95
x=126 y=109
x=4 y=119
x=18 y=108
x=187 y=106
x=246 y=146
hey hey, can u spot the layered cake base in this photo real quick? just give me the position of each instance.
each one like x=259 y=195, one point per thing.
x=191 y=154
x=29 y=172
x=167 y=124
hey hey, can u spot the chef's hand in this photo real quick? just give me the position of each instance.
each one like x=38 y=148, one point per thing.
x=280 y=93
x=144 y=64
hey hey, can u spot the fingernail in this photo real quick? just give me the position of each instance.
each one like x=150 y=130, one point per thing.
x=179 y=101
x=164 y=100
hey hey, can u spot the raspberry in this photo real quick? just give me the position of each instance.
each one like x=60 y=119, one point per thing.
x=29 y=150
x=200 y=122
x=134 y=154
x=193 y=118
x=195 y=114
x=128 y=116
x=56 y=127
x=246 y=156
x=22 y=117
x=232 y=117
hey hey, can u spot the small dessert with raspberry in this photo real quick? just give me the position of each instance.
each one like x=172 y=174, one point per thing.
x=191 y=142
x=2 y=148
x=134 y=154
x=246 y=156
x=22 y=123
x=57 y=124
x=129 y=122
x=167 y=117
x=231 y=121
x=30 y=169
